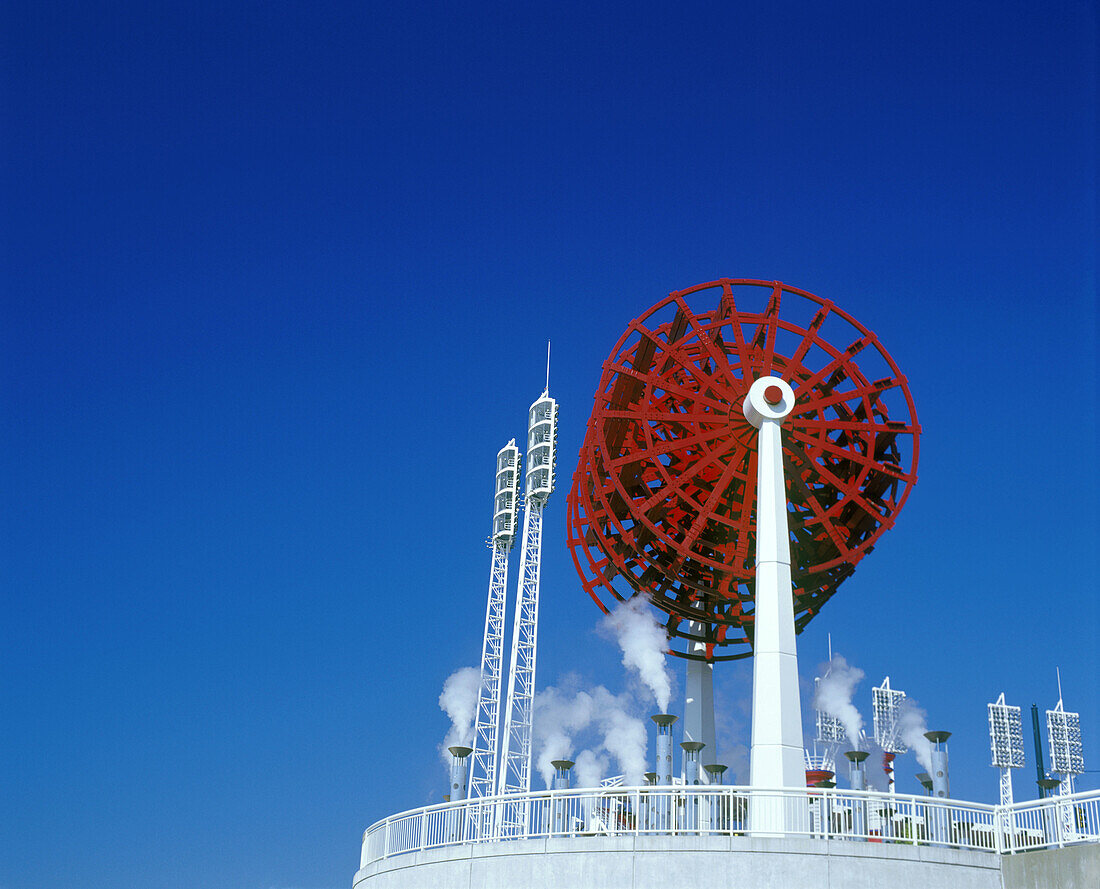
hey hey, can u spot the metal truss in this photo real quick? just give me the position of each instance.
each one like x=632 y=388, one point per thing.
x=1006 y=786
x=515 y=759
x=483 y=777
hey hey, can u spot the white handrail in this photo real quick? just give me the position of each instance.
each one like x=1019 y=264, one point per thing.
x=818 y=813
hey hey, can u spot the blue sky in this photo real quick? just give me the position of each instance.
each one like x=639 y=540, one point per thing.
x=278 y=280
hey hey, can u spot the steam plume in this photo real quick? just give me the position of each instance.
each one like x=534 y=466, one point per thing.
x=912 y=724
x=874 y=768
x=604 y=721
x=558 y=717
x=590 y=768
x=643 y=642
x=624 y=738
x=459 y=702
x=833 y=696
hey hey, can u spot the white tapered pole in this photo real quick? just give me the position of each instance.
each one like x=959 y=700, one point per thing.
x=776 y=758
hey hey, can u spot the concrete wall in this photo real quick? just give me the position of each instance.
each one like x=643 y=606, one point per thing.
x=648 y=863
x=1076 y=867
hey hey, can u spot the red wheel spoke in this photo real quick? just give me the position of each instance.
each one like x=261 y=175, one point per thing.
x=677 y=485
x=834 y=365
x=865 y=459
x=765 y=331
x=670 y=416
x=811 y=333
x=667 y=448
x=849 y=425
x=823 y=401
x=667 y=385
x=704 y=339
x=708 y=507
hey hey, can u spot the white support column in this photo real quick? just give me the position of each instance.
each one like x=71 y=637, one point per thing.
x=699 y=705
x=776 y=758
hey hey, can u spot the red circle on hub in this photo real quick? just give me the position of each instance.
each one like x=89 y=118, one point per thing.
x=773 y=395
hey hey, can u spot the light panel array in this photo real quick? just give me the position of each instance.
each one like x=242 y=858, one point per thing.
x=887 y=705
x=1006 y=735
x=830 y=730
x=1064 y=737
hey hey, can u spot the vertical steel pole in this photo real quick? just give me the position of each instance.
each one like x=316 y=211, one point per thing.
x=1039 y=774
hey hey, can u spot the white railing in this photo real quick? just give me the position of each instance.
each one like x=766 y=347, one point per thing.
x=1054 y=821
x=832 y=814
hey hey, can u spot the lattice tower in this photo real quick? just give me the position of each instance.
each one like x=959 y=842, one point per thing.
x=515 y=760
x=483 y=770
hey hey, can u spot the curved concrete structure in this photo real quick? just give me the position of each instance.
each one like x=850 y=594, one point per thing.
x=657 y=862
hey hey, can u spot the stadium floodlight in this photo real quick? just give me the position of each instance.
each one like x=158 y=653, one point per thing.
x=1064 y=738
x=830 y=730
x=887 y=706
x=1066 y=759
x=1006 y=742
x=1006 y=735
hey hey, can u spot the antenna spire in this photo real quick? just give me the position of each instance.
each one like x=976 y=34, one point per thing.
x=547 y=389
x=1058 y=670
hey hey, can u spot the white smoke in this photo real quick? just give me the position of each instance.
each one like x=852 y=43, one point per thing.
x=912 y=724
x=459 y=702
x=874 y=767
x=624 y=738
x=834 y=693
x=558 y=717
x=590 y=768
x=643 y=642
x=605 y=722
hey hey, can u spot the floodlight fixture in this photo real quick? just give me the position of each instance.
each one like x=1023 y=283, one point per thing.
x=1006 y=735
x=1006 y=743
x=886 y=702
x=1064 y=739
x=830 y=730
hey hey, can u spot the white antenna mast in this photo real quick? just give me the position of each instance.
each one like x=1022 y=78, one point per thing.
x=547 y=389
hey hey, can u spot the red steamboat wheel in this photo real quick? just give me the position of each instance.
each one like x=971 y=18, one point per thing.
x=658 y=505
